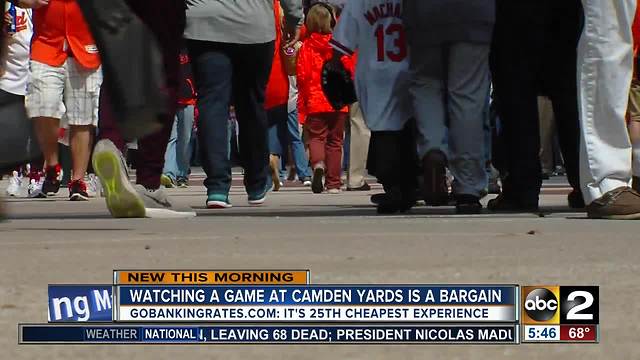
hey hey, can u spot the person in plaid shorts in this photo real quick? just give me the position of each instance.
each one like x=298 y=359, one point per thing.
x=65 y=86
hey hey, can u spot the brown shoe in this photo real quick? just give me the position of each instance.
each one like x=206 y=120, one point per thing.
x=622 y=203
x=274 y=167
x=435 y=190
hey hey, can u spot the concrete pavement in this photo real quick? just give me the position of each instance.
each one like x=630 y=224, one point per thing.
x=338 y=237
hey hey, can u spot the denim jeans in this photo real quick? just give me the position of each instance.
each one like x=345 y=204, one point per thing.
x=224 y=72
x=178 y=156
x=284 y=133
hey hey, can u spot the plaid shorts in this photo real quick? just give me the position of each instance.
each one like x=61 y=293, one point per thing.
x=68 y=92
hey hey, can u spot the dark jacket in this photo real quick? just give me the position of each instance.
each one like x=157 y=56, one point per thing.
x=434 y=22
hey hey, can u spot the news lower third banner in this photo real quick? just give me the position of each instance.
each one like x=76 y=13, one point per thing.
x=283 y=307
x=268 y=334
x=317 y=303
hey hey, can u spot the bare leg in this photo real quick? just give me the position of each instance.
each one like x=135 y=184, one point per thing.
x=80 y=141
x=47 y=132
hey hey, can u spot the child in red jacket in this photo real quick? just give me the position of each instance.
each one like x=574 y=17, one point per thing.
x=323 y=125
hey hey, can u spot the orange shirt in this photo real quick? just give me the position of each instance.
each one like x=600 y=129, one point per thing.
x=277 y=92
x=60 y=28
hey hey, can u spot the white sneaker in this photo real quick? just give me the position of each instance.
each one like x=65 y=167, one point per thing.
x=34 y=190
x=94 y=188
x=15 y=185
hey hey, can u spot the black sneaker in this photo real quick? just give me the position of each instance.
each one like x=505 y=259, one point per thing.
x=182 y=183
x=506 y=204
x=377 y=198
x=468 y=204
x=51 y=184
x=317 y=184
x=575 y=199
x=435 y=191
x=78 y=191
x=395 y=201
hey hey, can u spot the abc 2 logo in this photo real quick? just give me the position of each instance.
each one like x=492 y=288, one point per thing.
x=555 y=305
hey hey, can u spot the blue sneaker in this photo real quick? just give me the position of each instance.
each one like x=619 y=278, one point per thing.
x=218 y=201
x=257 y=199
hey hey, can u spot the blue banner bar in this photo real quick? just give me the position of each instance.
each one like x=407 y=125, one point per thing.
x=80 y=303
x=348 y=334
x=317 y=295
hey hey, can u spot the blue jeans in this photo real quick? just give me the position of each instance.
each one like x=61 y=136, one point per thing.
x=284 y=133
x=240 y=71
x=177 y=158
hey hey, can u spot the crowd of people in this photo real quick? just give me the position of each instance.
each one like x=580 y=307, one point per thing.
x=456 y=99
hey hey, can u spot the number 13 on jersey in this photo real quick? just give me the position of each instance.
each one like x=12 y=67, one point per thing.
x=396 y=51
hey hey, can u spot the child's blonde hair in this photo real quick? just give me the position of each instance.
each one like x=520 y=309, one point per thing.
x=319 y=19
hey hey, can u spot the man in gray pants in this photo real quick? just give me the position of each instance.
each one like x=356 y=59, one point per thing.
x=449 y=42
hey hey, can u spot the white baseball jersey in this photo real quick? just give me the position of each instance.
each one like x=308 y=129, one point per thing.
x=374 y=30
x=16 y=74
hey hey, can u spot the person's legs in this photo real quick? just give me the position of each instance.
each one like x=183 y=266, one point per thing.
x=45 y=106
x=184 y=129
x=252 y=66
x=514 y=67
x=276 y=118
x=213 y=69
x=561 y=79
x=428 y=96
x=46 y=129
x=605 y=63
x=81 y=98
x=427 y=90
x=394 y=155
x=170 y=169
x=547 y=134
x=333 y=148
x=297 y=147
x=468 y=90
x=634 y=130
x=358 y=149
x=80 y=142
x=316 y=132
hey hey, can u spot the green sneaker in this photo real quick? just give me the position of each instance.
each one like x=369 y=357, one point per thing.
x=167 y=181
x=123 y=201
x=218 y=201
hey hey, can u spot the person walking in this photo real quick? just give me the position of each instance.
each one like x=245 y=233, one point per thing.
x=231 y=44
x=165 y=19
x=534 y=54
x=66 y=79
x=323 y=124
x=605 y=67
x=449 y=63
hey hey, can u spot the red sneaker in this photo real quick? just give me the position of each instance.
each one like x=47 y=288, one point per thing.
x=78 y=191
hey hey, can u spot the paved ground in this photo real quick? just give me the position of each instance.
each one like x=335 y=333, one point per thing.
x=341 y=240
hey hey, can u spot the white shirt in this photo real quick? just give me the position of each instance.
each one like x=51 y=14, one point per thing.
x=374 y=29
x=16 y=76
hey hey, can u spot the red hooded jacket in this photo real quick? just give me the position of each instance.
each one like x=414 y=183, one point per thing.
x=314 y=53
x=277 y=92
